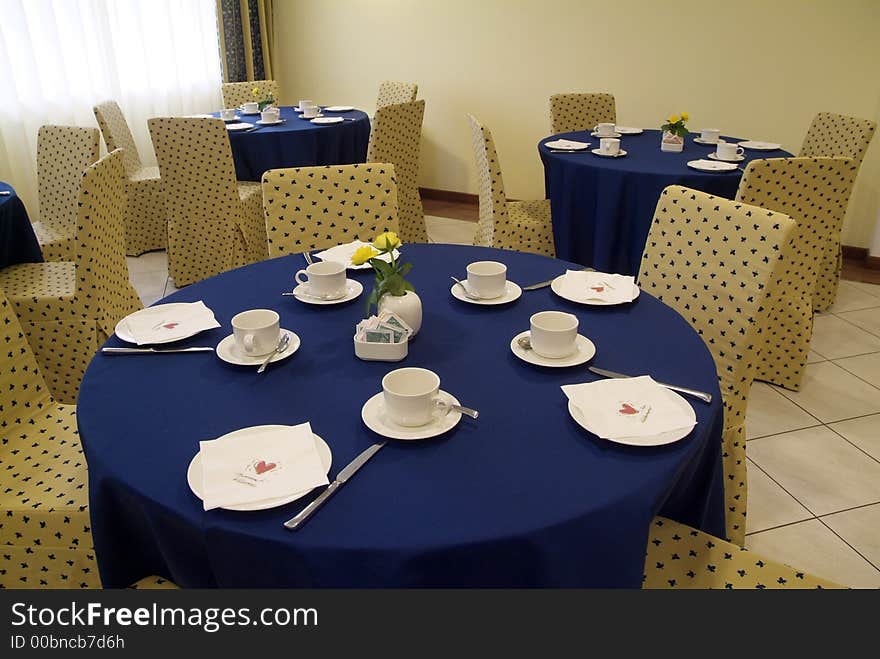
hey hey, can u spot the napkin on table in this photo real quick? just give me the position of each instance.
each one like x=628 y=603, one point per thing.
x=566 y=144
x=343 y=254
x=161 y=324
x=598 y=286
x=629 y=407
x=258 y=465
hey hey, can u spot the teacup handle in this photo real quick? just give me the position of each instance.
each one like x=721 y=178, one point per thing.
x=249 y=342
x=304 y=274
x=740 y=151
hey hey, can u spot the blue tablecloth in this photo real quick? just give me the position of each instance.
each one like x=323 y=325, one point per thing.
x=299 y=143
x=602 y=208
x=18 y=243
x=521 y=497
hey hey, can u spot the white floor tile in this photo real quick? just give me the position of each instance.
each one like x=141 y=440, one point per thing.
x=819 y=468
x=864 y=432
x=149 y=262
x=852 y=298
x=867 y=319
x=866 y=367
x=768 y=504
x=859 y=528
x=448 y=230
x=812 y=547
x=170 y=287
x=770 y=412
x=830 y=393
x=813 y=357
x=874 y=289
x=834 y=337
x=150 y=286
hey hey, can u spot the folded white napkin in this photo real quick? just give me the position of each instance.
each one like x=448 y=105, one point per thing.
x=164 y=323
x=239 y=126
x=263 y=464
x=598 y=286
x=566 y=144
x=343 y=254
x=629 y=407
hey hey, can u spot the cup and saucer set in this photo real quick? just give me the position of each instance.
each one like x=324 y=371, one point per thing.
x=486 y=285
x=324 y=282
x=257 y=338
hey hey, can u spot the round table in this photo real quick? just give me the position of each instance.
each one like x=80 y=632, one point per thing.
x=18 y=242
x=298 y=143
x=521 y=497
x=603 y=207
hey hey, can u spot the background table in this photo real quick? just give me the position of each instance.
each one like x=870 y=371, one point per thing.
x=602 y=207
x=521 y=497
x=299 y=143
x=18 y=243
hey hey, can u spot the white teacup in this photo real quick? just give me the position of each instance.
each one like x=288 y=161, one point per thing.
x=270 y=115
x=311 y=111
x=305 y=103
x=487 y=279
x=728 y=151
x=411 y=395
x=710 y=134
x=553 y=333
x=604 y=129
x=256 y=331
x=227 y=114
x=324 y=279
x=609 y=146
x=251 y=108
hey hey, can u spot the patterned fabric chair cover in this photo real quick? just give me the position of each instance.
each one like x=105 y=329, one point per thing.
x=215 y=223
x=682 y=557
x=145 y=208
x=236 y=94
x=396 y=138
x=45 y=535
x=814 y=192
x=835 y=136
x=570 y=112
x=523 y=226
x=154 y=583
x=391 y=93
x=63 y=153
x=713 y=260
x=309 y=208
x=67 y=308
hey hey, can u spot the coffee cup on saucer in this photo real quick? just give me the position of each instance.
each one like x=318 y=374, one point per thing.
x=710 y=135
x=227 y=114
x=324 y=279
x=256 y=331
x=270 y=115
x=553 y=333
x=604 y=130
x=310 y=111
x=487 y=279
x=728 y=151
x=251 y=107
x=609 y=146
x=411 y=396
x=305 y=103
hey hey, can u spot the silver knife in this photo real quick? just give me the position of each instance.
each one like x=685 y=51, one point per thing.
x=349 y=471
x=142 y=351
x=544 y=284
x=702 y=395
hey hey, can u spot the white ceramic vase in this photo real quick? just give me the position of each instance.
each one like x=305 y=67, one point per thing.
x=671 y=142
x=408 y=307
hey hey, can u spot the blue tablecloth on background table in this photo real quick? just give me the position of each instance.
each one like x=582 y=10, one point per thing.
x=18 y=243
x=602 y=207
x=299 y=143
x=521 y=497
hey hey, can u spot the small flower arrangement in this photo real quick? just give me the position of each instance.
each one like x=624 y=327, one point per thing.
x=389 y=275
x=264 y=103
x=674 y=132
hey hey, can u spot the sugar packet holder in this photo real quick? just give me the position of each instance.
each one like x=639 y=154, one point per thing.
x=382 y=338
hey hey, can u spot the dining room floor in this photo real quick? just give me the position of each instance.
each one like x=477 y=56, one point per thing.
x=813 y=456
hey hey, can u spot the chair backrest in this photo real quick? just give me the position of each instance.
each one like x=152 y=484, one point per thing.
x=392 y=92
x=838 y=136
x=713 y=260
x=63 y=153
x=570 y=112
x=237 y=93
x=396 y=137
x=102 y=280
x=25 y=392
x=117 y=134
x=201 y=194
x=493 y=201
x=310 y=208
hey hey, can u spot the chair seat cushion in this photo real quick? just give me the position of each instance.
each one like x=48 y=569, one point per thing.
x=527 y=228
x=55 y=244
x=42 y=291
x=154 y=583
x=150 y=174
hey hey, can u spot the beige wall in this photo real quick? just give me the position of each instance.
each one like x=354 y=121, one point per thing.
x=784 y=60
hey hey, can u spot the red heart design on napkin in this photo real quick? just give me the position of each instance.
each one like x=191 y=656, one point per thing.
x=598 y=289
x=170 y=325
x=626 y=408
x=262 y=467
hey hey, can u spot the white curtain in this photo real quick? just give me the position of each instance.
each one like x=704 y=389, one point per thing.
x=58 y=58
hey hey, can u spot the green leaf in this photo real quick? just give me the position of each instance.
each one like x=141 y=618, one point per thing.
x=382 y=268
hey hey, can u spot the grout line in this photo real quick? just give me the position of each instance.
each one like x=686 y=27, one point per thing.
x=818 y=424
x=846 y=320
x=842 y=436
x=865 y=558
x=846 y=510
x=767 y=473
x=856 y=375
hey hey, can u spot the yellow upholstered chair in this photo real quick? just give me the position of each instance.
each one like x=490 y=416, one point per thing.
x=814 y=193
x=154 y=583
x=524 y=226
x=835 y=136
x=570 y=112
x=63 y=153
x=713 y=261
x=45 y=535
x=215 y=223
x=235 y=94
x=145 y=208
x=310 y=208
x=396 y=138
x=69 y=308
x=391 y=93
x=681 y=557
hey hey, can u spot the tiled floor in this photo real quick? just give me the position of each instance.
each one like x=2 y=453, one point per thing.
x=814 y=456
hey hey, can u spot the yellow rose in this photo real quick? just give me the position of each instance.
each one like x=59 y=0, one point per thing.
x=387 y=241
x=685 y=116
x=256 y=91
x=363 y=254
x=673 y=118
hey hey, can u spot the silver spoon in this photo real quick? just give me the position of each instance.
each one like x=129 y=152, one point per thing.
x=452 y=407
x=281 y=347
x=467 y=293
x=524 y=342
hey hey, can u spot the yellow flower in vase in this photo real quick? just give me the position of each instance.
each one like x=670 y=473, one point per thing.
x=363 y=254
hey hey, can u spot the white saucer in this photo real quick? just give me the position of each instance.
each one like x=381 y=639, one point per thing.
x=227 y=351
x=125 y=334
x=239 y=126
x=375 y=418
x=353 y=288
x=339 y=108
x=760 y=146
x=270 y=123
x=615 y=134
x=321 y=119
x=194 y=473
x=619 y=154
x=700 y=140
x=317 y=116
x=714 y=156
x=585 y=351
x=511 y=293
x=629 y=130
x=556 y=287
x=717 y=166
x=657 y=440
